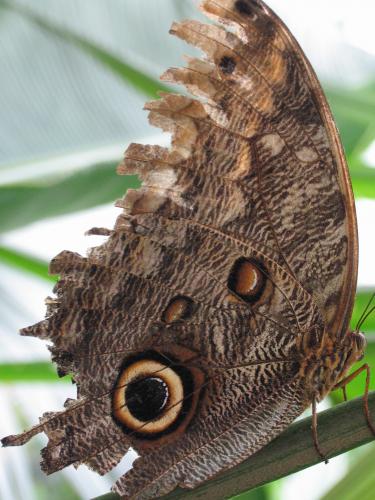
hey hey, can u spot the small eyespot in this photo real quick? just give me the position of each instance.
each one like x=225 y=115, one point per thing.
x=247 y=279
x=155 y=396
x=227 y=65
x=179 y=308
x=243 y=7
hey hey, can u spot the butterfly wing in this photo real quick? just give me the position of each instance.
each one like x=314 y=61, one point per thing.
x=186 y=328
x=117 y=304
x=262 y=91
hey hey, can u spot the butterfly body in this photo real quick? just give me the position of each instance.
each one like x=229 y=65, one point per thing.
x=324 y=367
x=217 y=310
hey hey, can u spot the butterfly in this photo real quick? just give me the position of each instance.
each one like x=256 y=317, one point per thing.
x=218 y=308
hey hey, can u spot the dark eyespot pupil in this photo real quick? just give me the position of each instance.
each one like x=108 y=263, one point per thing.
x=243 y=7
x=227 y=65
x=146 y=398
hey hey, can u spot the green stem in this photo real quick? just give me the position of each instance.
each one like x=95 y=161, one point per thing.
x=341 y=429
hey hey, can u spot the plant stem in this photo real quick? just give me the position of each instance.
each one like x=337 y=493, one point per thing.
x=341 y=429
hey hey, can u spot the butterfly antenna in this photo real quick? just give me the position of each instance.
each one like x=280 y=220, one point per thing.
x=367 y=315
x=364 y=316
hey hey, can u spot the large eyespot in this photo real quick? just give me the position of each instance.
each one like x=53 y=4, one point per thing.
x=154 y=396
x=247 y=279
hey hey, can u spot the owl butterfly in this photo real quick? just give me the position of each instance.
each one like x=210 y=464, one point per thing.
x=217 y=309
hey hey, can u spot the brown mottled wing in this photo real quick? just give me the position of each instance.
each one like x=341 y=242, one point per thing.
x=239 y=244
x=219 y=447
x=267 y=130
x=109 y=307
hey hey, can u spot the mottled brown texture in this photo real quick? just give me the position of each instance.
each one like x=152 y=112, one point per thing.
x=236 y=260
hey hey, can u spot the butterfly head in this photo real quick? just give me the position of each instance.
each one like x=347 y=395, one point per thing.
x=358 y=344
x=357 y=339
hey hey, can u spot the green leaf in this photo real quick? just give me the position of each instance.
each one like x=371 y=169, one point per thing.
x=361 y=300
x=358 y=483
x=21 y=204
x=26 y=263
x=363 y=180
x=354 y=110
x=30 y=372
x=139 y=80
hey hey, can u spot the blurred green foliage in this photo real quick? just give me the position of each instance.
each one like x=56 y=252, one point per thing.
x=28 y=264
x=29 y=372
x=359 y=482
x=128 y=73
x=24 y=203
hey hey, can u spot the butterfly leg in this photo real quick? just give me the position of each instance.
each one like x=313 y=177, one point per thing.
x=314 y=428
x=345 y=381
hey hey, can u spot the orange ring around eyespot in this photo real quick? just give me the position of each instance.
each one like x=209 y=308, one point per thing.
x=146 y=368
